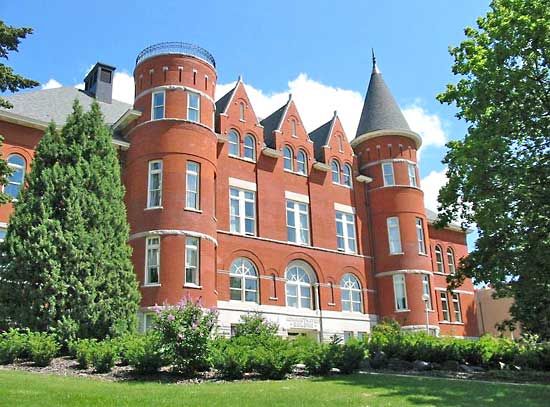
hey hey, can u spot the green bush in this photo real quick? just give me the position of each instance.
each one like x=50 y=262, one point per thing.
x=104 y=356
x=43 y=348
x=122 y=343
x=272 y=358
x=84 y=349
x=349 y=356
x=231 y=357
x=13 y=345
x=319 y=358
x=144 y=352
x=255 y=325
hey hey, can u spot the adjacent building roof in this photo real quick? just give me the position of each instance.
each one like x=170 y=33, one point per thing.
x=272 y=123
x=320 y=137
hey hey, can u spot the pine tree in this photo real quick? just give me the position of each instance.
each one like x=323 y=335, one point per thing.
x=67 y=263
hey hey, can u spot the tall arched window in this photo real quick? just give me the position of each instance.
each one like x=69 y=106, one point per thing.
x=451 y=260
x=335 y=166
x=249 y=147
x=233 y=140
x=288 y=158
x=299 y=285
x=439 y=259
x=241 y=111
x=293 y=127
x=301 y=162
x=243 y=284
x=351 y=293
x=346 y=175
x=15 y=180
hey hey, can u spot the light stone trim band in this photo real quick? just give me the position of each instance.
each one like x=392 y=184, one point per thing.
x=344 y=208
x=294 y=196
x=403 y=271
x=174 y=87
x=174 y=119
x=387 y=160
x=177 y=232
x=243 y=184
x=455 y=291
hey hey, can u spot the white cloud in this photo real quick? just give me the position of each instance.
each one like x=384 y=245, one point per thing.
x=123 y=87
x=428 y=126
x=51 y=84
x=431 y=184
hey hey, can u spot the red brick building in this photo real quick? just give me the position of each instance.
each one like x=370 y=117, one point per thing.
x=323 y=236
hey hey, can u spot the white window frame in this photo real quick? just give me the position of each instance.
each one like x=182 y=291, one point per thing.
x=295 y=210
x=234 y=144
x=420 y=236
x=451 y=260
x=457 y=309
x=288 y=160
x=445 y=313
x=196 y=109
x=11 y=178
x=399 y=280
x=412 y=175
x=440 y=265
x=250 y=148
x=240 y=219
x=388 y=174
x=394 y=235
x=152 y=172
x=192 y=243
x=352 y=285
x=153 y=106
x=427 y=290
x=335 y=172
x=193 y=193
x=347 y=175
x=310 y=285
x=345 y=241
x=301 y=161
x=240 y=270
x=150 y=245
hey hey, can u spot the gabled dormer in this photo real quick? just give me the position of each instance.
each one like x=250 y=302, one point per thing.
x=235 y=106
x=330 y=140
x=283 y=125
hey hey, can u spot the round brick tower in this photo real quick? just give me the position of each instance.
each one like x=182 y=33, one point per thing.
x=170 y=193
x=386 y=148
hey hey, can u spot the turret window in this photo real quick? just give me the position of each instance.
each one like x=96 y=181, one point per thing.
x=192 y=199
x=233 y=141
x=394 y=235
x=426 y=290
x=351 y=293
x=192 y=245
x=152 y=260
x=154 y=187
x=439 y=259
x=193 y=107
x=387 y=172
x=412 y=175
x=288 y=158
x=451 y=260
x=17 y=165
x=400 y=292
x=249 y=147
x=335 y=168
x=301 y=162
x=420 y=236
x=158 y=105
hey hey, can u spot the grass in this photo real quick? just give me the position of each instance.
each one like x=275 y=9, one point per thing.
x=32 y=389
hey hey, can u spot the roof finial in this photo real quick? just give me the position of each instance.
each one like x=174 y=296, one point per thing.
x=374 y=66
x=240 y=78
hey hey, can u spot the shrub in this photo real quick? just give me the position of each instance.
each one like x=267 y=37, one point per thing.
x=386 y=337
x=231 y=357
x=319 y=358
x=83 y=350
x=349 y=356
x=272 y=359
x=43 y=348
x=122 y=343
x=254 y=324
x=144 y=352
x=104 y=355
x=184 y=334
x=13 y=345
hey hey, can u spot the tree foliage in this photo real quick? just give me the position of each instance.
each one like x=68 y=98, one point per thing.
x=66 y=263
x=10 y=37
x=499 y=174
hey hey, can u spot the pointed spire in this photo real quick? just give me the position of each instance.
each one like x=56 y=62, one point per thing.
x=374 y=66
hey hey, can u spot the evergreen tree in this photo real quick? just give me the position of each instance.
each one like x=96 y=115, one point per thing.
x=67 y=263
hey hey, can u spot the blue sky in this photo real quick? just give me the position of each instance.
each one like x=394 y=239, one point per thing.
x=319 y=50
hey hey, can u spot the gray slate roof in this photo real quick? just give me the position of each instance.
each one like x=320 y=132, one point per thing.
x=221 y=104
x=320 y=137
x=271 y=123
x=380 y=110
x=56 y=104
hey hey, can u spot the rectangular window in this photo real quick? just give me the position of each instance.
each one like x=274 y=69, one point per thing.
x=154 y=187
x=361 y=335
x=192 y=199
x=193 y=107
x=242 y=211
x=444 y=306
x=400 y=292
x=412 y=175
x=426 y=289
x=348 y=335
x=456 y=306
x=148 y=322
x=387 y=172
x=297 y=222
x=3 y=233
x=345 y=232
x=192 y=260
x=152 y=260
x=158 y=105
x=420 y=236
x=394 y=235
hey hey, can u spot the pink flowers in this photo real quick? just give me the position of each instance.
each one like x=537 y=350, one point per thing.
x=170 y=317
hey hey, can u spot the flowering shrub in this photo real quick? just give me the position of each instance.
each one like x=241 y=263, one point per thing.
x=184 y=333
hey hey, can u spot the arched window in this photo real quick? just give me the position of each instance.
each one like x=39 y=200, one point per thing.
x=249 y=147
x=293 y=127
x=299 y=285
x=351 y=293
x=335 y=166
x=243 y=284
x=346 y=175
x=241 y=111
x=301 y=162
x=233 y=140
x=288 y=157
x=15 y=180
x=451 y=260
x=439 y=259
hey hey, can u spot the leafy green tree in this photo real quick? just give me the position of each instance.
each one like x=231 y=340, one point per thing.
x=67 y=263
x=499 y=174
x=10 y=37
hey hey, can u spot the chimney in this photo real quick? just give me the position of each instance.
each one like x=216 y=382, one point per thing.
x=99 y=82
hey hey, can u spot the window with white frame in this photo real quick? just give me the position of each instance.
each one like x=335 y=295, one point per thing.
x=152 y=260
x=400 y=292
x=242 y=211
x=394 y=235
x=154 y=187
x=439 y=259
x=149 y=321
x=157 y=106
x=456 y=307
x=193 y=107
x=451 y=260
x=301 y=162
x=426 y=290
x=412 y=175
x=3 y=233
x=192 y=199
x=444 y=306
x=345 y=232
x=335 y=169
x=249 y=147
x=243 y=280
x=350 y=290
x=346 y=175
x=17 y=165
x=288 y=158
x=348 y=335
x=299 y=285
x=297 y=222
x=420 y=236
x=192 y=260
x=387 y=172
x=233 y=142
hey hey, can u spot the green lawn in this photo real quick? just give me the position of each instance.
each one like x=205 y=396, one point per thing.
x=32 y=389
